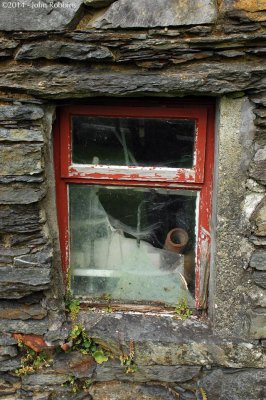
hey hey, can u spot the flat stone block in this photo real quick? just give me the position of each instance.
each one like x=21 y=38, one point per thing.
x=9 y=365
x=21 y=193
x=131 y=391
x=30 y=273
x=20 y=159
x=162 y=373
x=11 y=310
x=234 y=384
x=21 y=135
x=258 y=260
x=258 y=324
x=23 y=219
x=52 y=50
x=27 y=327
x=148 y=13
x=259 y=278
x=258 y=217
x=41 y=15
x=251 y=9
x=21 y=112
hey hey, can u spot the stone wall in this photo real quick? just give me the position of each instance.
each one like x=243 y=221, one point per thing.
x=55 y=55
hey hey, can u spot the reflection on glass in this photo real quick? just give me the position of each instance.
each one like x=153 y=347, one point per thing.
x=133 y=141
x=132 y=244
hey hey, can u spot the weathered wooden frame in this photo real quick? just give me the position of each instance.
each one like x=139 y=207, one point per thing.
x=198 y=178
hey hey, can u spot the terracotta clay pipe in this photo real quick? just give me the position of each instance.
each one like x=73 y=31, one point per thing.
x=176 y=240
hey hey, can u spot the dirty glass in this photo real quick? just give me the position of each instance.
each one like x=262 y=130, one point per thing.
x=132 y=244
x=159 y=142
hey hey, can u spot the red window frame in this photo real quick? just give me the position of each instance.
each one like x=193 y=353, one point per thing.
x=199 y=178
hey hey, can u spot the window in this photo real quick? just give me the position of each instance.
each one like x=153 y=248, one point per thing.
x=134 y=186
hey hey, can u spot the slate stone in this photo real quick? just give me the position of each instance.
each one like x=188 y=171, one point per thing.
x=132 y=391
x=258 y=217
x=27 y=327
x=20 y=219
x=258 y=324
x=9 y=365
x=17 y=282
x=166 y=341
x=20 y=159
x=22 y=178
x=21 y=112
x=161 y=373
x=30 y=273
x=40 y=16
x=11 y=310
x=9 y=253
x=234 y=384
x=21 y=135
x=40 y=379
x=77 y=81
x=258 y=171
x=98 y=3
x=8 y=43
x=21 y=193
x=148 y=14
x=52 y=50
x=6 y=339
x=259 y=277
x=80 y=365
x=8 y=351
x=258 y=260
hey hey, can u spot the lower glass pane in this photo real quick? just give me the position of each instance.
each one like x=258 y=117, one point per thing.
x=132 y=244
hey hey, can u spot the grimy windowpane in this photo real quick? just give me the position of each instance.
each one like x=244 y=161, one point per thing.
x=133 y=141
x=132 y=244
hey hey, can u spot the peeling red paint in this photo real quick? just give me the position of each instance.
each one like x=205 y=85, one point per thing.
x=199 y=177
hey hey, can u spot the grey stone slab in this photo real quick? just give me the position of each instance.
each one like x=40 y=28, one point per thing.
x=21 y=159
x=9 y=365
x=14 y=310
x=174 y=373
x=21 y=193
x=259 y=278
x=57 y=81
x=258 y=260
x=20 y=112
x=41 y=15
x=38 y=380
x=148 y=13
x=52 y=50
x=259 y=218
x=258 y=324
x=6 y=339
x=26 y=327
x=166 y=341
x=235 y=384
x=8 y=351
x=30 y=273
x=20 y=219
x=21 y=135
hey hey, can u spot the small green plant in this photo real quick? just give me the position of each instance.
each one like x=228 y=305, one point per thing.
x=77 y=385
x=127 y=360
x=182 y=309
x=72 y=305
x=201 y=394
x=86 y=345
x=31 y=361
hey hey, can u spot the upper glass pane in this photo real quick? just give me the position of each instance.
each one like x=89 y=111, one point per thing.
x=145 y=142
x=132 y=244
